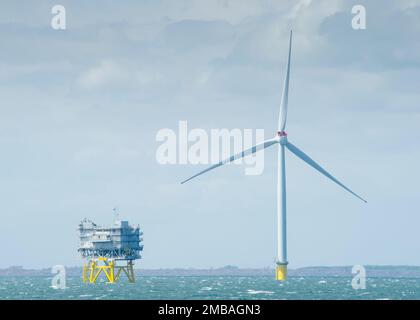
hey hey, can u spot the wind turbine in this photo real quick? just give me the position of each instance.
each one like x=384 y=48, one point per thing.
x=281 y=140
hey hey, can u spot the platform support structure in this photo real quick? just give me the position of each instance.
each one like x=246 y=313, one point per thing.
x=112 y=271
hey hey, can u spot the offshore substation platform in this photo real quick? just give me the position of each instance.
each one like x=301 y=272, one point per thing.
x=109 y=250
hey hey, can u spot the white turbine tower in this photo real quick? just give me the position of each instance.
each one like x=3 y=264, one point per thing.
x=281 y=139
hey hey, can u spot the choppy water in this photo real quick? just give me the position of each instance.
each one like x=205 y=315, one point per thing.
x=258 y=287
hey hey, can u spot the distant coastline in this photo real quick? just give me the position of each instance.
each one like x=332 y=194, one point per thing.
x=319 y=271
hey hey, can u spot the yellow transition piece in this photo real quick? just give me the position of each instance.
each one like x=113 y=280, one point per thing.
x=281 y=272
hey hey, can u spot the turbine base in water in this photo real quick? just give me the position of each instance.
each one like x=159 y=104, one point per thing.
x=281 y=272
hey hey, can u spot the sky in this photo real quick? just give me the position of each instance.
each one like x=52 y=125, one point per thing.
x=80 y=110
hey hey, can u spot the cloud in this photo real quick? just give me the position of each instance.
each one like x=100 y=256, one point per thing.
x=107 y=72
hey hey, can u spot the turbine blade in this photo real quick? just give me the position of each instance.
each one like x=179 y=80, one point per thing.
x=285 y=95
x=300 y=154
x=252 y=150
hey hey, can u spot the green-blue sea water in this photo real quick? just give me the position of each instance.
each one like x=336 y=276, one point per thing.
x=211 y=287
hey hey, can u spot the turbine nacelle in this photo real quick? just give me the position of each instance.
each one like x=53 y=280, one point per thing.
x=281 y=137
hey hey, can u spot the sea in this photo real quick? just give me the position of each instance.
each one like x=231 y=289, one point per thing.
x=210 y=287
